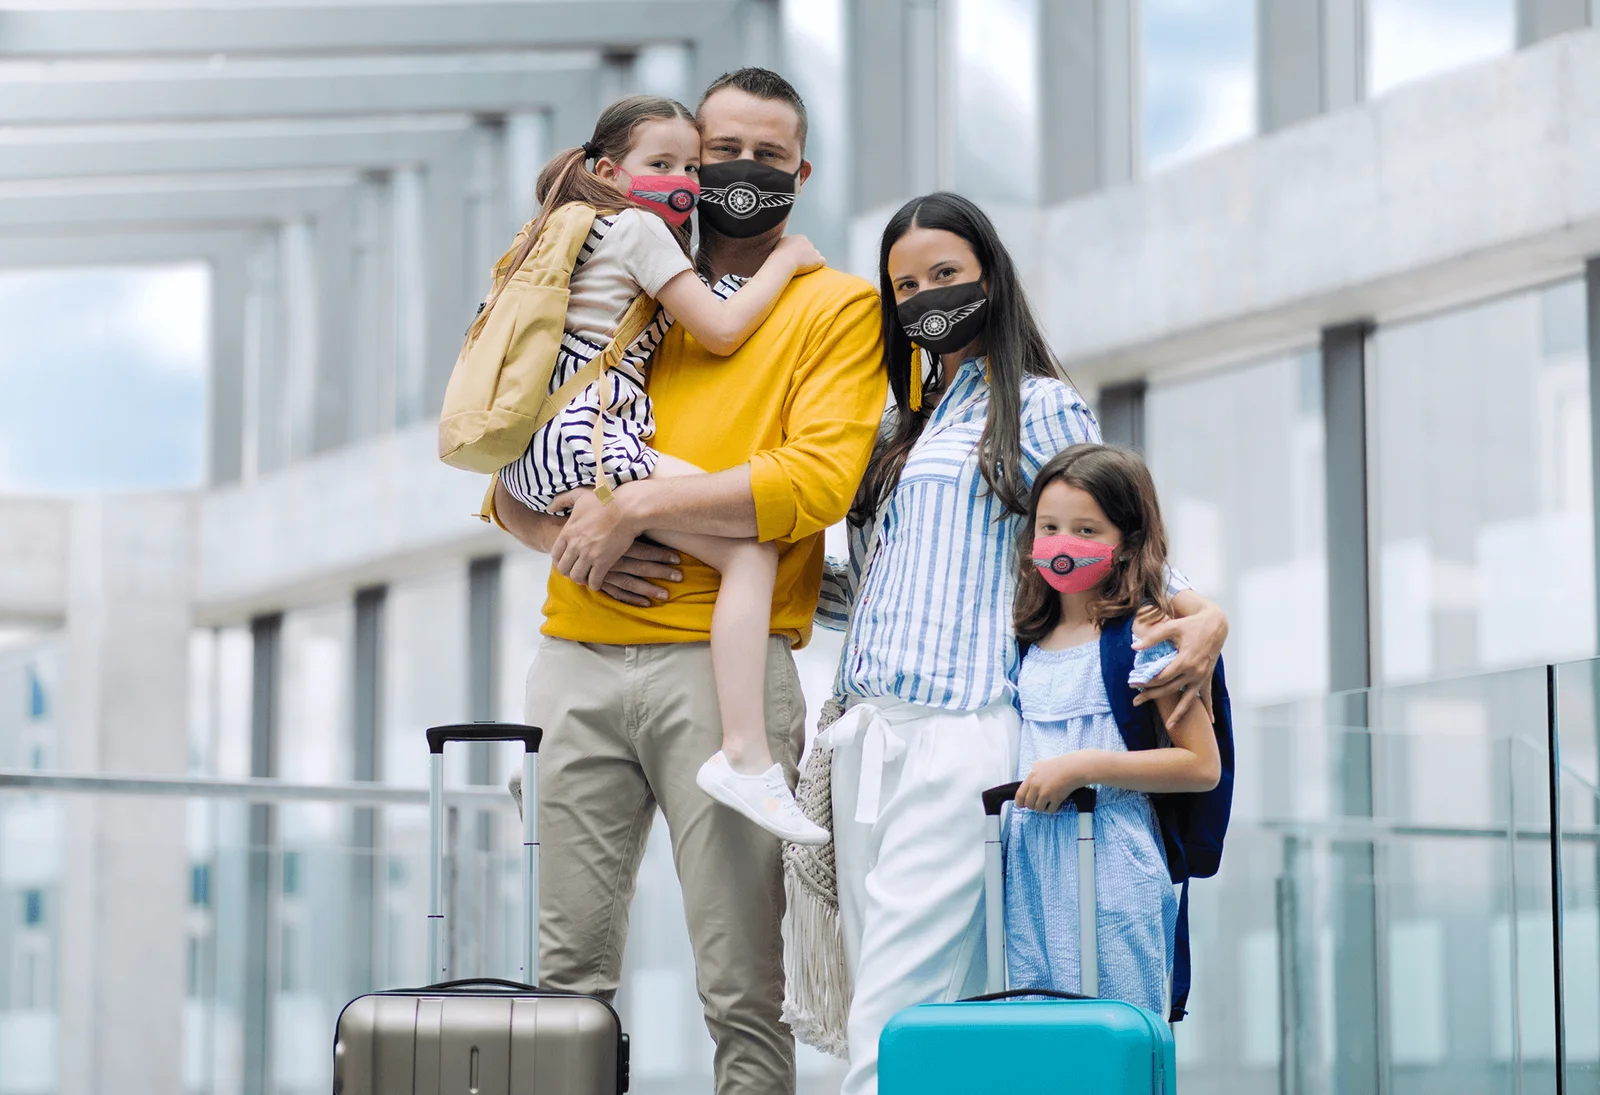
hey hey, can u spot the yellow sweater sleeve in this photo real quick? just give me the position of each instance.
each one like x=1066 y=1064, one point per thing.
x=831 y=418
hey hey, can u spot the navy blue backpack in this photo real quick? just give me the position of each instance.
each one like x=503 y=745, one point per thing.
x=1193 y=825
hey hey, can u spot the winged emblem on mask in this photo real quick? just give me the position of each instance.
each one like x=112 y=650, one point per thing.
x=743 y=200
x=679 y=199
x=937 y=323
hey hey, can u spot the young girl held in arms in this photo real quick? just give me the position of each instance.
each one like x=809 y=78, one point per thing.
x=1094 y=553
x=644 y=183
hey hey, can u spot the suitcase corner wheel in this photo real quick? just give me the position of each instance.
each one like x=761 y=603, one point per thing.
x=483 y=1035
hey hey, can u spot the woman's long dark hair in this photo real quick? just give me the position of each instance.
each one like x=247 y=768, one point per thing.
x=1015 y=346
x=1121 y=486
x=567 y=178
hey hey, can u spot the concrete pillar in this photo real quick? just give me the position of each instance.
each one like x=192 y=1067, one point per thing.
x=1089 y=97
x=125 y=862
x=409 y=264
x=486 y=196
x=230 y=290
x=760 y=36
x=1592 y=301
x=1121 y=414
x=1541 y=19
x=615 y=78
x=331 y=373
x=1310 y=58
x=302 y=304
x=262 y=438
x=877 y=65
x=665 y=68
x=927 y=90
x=529 y=146
x=1357 y=1000
x=456 y=286
x=750 y=37
x=371 y=327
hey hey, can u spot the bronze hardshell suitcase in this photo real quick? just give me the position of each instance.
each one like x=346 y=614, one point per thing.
x=480 y=1037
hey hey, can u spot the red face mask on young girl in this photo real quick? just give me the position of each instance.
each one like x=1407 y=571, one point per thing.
x=671 y=197
x=1071 y=564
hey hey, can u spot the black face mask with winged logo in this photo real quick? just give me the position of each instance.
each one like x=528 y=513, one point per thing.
x=946 y=319
x=742 y=198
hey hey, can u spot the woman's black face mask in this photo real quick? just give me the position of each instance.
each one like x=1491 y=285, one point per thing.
x=945 y=319
x=742 y=198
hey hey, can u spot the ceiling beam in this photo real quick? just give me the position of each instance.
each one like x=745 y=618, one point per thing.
x=128 y=248
x=45 y=152
x=68 y=31
x=75 y=93
x=260 y=198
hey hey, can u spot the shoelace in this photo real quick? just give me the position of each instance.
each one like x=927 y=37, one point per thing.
x=787 y=806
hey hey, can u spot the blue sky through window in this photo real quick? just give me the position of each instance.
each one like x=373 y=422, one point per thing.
x=103 y=375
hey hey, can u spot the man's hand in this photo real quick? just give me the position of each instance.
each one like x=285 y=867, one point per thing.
x=633 y=577
x=1199 y=640
x=595 y=536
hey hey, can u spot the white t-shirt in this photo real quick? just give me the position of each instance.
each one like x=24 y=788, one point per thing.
x=637 y=254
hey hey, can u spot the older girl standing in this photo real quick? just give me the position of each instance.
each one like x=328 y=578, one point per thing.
x=930 y=662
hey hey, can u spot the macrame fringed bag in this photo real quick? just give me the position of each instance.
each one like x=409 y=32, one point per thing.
x=816 y=1000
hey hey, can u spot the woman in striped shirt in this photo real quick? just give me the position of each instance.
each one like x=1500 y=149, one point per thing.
x=930 y=661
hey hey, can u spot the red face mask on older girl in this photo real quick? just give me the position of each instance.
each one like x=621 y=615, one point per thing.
x=1071 y=564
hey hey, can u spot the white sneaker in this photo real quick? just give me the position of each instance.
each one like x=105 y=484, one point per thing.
x=515 y=787
x=765 y=799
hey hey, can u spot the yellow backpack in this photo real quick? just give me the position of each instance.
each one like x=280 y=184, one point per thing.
x=499 y=392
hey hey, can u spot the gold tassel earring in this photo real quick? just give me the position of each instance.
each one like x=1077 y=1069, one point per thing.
x=916 y=378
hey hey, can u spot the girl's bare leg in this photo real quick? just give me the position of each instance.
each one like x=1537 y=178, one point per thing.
x=742 y=774
x=740 y=624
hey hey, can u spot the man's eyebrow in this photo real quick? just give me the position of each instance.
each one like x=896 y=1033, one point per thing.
x=713 y=139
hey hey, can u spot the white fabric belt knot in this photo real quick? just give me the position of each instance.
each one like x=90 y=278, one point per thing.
x=880 y=746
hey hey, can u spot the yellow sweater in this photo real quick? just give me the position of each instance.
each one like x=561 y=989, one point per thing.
x=800 y=402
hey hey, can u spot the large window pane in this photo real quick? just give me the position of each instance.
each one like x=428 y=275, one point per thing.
x=1244 y=509
x=1412 y=39
x=1481 y=482
x=124 y=352
x=996 y=100
x=1199 y=77
x=813 y=34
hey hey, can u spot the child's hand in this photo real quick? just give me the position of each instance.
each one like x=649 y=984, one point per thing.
x=1050 y=781
x=801 y=253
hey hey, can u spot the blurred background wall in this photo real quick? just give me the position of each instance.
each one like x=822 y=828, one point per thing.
x=1330 y=264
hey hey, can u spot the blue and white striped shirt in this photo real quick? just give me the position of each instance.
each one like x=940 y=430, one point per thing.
x=932 y=619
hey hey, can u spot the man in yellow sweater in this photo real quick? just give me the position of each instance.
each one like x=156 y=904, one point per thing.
x=623 y=683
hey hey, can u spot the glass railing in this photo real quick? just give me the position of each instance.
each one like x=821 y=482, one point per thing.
x=236 y=918
x=1395 y=911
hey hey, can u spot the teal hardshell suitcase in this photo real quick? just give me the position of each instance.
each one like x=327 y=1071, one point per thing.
x=1058 y=1041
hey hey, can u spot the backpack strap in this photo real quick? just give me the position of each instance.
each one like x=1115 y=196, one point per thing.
x=1182 y=972
x=634 y=321
x=1140 y=731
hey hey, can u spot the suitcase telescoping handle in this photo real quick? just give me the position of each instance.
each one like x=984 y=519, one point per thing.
x=994 y=881
x=530 y=737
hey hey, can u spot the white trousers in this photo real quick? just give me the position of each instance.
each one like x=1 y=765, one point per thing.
x=908 y=840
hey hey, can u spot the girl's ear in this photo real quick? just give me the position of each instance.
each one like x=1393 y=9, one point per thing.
x=605 y=169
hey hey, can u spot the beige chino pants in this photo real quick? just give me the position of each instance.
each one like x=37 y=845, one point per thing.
x=625 y=730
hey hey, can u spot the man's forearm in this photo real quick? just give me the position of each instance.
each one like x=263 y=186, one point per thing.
x=719 y=504
x=537 y=530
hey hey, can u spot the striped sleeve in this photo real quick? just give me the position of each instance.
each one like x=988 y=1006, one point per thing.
x=1054 y=418
x=841 y=580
